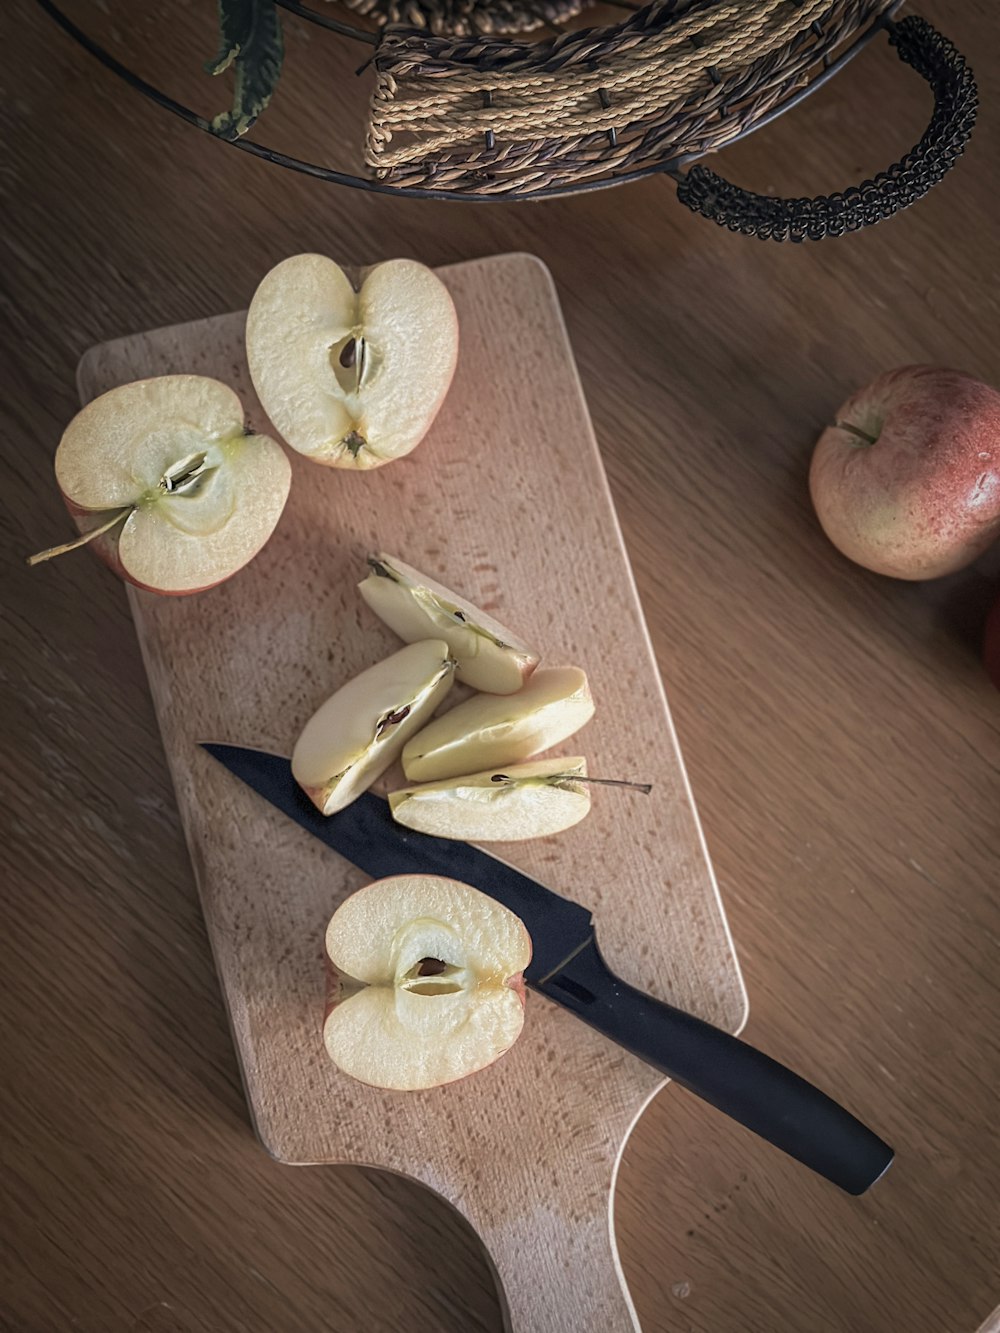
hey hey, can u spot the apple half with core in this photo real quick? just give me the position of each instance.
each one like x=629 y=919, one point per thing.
x=490 y=730
x=354 y=737
x=415 y=607
x=426 y=982
x=351 y=377
x=907 y=480
x=162 y=478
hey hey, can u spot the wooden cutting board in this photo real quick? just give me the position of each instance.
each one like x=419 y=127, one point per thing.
x=506 y=500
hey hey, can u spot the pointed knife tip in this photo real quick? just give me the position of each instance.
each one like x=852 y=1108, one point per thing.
x=216 y=748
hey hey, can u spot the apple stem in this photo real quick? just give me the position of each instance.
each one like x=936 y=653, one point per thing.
x=82 y=540
x=856 y=430
x=644 y=787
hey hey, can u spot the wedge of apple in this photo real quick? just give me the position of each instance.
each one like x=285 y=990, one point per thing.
x=415 y=607
x=354 y=737
x=426 y=982
x=163 y=480
x=351 y=377
x=489 y=730
x=523 y=801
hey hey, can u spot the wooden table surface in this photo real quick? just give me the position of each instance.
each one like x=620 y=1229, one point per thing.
x=841 y=738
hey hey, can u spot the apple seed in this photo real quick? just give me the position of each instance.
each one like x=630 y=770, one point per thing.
x=188 y=476
x=391 y=719
x=433 y=976
x=363 y=362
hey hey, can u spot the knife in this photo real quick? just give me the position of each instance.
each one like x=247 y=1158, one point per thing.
x=567 y=967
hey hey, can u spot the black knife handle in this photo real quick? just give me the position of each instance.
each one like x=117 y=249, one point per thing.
x=735 y=1078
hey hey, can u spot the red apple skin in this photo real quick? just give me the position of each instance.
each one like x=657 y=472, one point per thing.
x=106 y=550
x=923 y=500
x=991 y=644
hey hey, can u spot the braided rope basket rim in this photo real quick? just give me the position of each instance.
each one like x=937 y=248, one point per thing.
x=675 y=80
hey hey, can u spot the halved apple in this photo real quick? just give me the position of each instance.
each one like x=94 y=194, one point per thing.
x=523 y=801
x=351 y=377
x=489 y=657
x=354 y=737
x=489 y=730
x=426 y=982
x=162 y=478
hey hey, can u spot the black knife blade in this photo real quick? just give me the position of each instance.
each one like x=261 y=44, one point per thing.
x=567 y=967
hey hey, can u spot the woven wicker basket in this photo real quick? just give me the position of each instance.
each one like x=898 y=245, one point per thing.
x=463 y=108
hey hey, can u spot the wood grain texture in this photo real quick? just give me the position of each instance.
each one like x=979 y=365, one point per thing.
x=840 y=735
x=506 y=501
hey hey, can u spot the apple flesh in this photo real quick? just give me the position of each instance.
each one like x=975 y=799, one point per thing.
x=489 y=731
x=354 y=737
x=351 y=377
x=162 y=479
x=521 y=801
x=426 y=982
x=416 y=607
x=907 y=480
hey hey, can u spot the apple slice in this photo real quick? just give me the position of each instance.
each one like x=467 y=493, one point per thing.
x=354 y=737
x=488 y=730
x=414 y=606
x=523 y=801
x=426 y=982
x=163 y=480
x=351 y=378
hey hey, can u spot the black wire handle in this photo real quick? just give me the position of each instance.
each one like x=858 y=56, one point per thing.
x=770 y=219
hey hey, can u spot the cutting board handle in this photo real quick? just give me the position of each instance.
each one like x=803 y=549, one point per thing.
x=562 y=1276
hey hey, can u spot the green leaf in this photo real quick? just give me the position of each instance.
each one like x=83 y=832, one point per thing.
x=250 y=41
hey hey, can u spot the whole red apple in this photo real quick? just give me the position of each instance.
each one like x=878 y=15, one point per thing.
x=907 y=480
x=991 y=644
